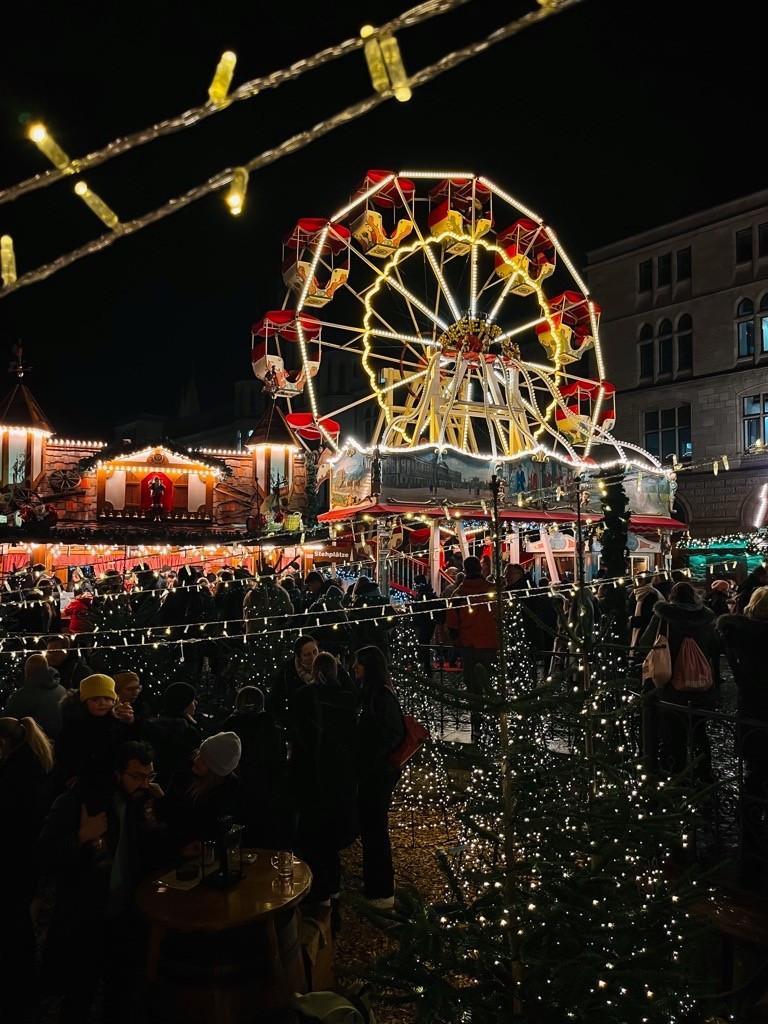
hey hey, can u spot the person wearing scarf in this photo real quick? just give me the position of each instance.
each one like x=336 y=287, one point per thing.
x=645 y=596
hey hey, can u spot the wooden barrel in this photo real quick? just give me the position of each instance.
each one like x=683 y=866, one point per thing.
x=228 y=977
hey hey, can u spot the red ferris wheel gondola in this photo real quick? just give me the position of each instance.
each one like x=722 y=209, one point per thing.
x=300 y=248
x=452 y=204
x=572 y=333
x=373 y=235
x=530 y=251
x=581 y=397
x=305 y=425
x=266 y=354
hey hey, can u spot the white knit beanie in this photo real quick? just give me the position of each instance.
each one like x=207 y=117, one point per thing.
x=221 y=752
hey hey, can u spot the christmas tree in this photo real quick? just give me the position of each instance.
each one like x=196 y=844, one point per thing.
x=616 y=513
x=421 y=798
x=561 y=902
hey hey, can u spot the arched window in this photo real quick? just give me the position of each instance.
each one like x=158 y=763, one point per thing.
x=645 y=345
x=666 y=348
x=745 y=328
x=764 y=324
x=684 y=338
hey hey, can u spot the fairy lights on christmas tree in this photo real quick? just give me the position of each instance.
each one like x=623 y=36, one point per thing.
x=561 y=901
x=422 y=795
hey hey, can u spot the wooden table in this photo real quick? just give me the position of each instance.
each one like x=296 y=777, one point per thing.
x=207 y=946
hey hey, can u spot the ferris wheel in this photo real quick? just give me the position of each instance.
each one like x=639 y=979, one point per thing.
x=473 y=329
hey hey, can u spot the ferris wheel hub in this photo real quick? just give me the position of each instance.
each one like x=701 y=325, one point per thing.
x=471 y=335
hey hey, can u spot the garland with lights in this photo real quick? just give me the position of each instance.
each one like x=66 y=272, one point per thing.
x=421 y=797
x=388 y=78
x=616 y=513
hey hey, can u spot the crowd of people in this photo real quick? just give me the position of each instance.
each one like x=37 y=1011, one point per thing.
x=101 y=788
x=103 y=783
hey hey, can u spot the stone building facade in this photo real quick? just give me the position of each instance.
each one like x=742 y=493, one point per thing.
x=685 y=340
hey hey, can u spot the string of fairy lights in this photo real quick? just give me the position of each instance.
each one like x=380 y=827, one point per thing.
x=220 y=96
x=315 y=619
x=388 y=78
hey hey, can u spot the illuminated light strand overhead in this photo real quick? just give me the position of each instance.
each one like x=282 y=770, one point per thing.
x=248 y=90
x=97 y=205
x=49 y=147
x=299 y=618
x=218 y=91
x=285 y=148
x=385 y=64
x=238 y=187
x=7 y=260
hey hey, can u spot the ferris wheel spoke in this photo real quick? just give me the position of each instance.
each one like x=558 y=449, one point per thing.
x=373 y=355
x=384 y=390
x=513 y=332
x=408 y=295
x=473 y=273
x=427 y=248
x=410 y=340
x=492 y=281
x=375 y=312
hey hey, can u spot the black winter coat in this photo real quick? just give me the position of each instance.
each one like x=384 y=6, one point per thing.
x=174 y=741
x=266 y=801
x=73 y=670
x=381 y=730
x=362 y=613
x=326 y=763
x=746 y=646
x=197 y=818
x=86 y=745
x=23 y=793
x=83 y=873
x=262 y=742
x=327 y=610
x=285 y=686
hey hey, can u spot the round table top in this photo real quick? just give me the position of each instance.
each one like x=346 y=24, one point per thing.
x=207 y=909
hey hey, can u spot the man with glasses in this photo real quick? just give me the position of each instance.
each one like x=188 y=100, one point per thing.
x=98 y=841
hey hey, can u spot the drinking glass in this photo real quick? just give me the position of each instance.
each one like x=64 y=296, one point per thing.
x=282 y=862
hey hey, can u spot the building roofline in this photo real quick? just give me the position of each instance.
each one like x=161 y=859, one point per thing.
x=682 y=226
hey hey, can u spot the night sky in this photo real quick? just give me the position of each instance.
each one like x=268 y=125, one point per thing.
x=607 y=119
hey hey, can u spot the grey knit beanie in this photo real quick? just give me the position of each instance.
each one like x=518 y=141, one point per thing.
x=221 y=752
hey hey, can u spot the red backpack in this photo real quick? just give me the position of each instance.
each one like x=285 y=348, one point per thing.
x=692 y=672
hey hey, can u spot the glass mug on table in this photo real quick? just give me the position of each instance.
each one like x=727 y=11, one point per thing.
x=282 y=862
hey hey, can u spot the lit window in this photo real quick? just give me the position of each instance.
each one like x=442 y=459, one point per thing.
x=754 y=420
x=764 y=323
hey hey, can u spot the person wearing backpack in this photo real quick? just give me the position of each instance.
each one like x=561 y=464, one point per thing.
x=694 y=649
